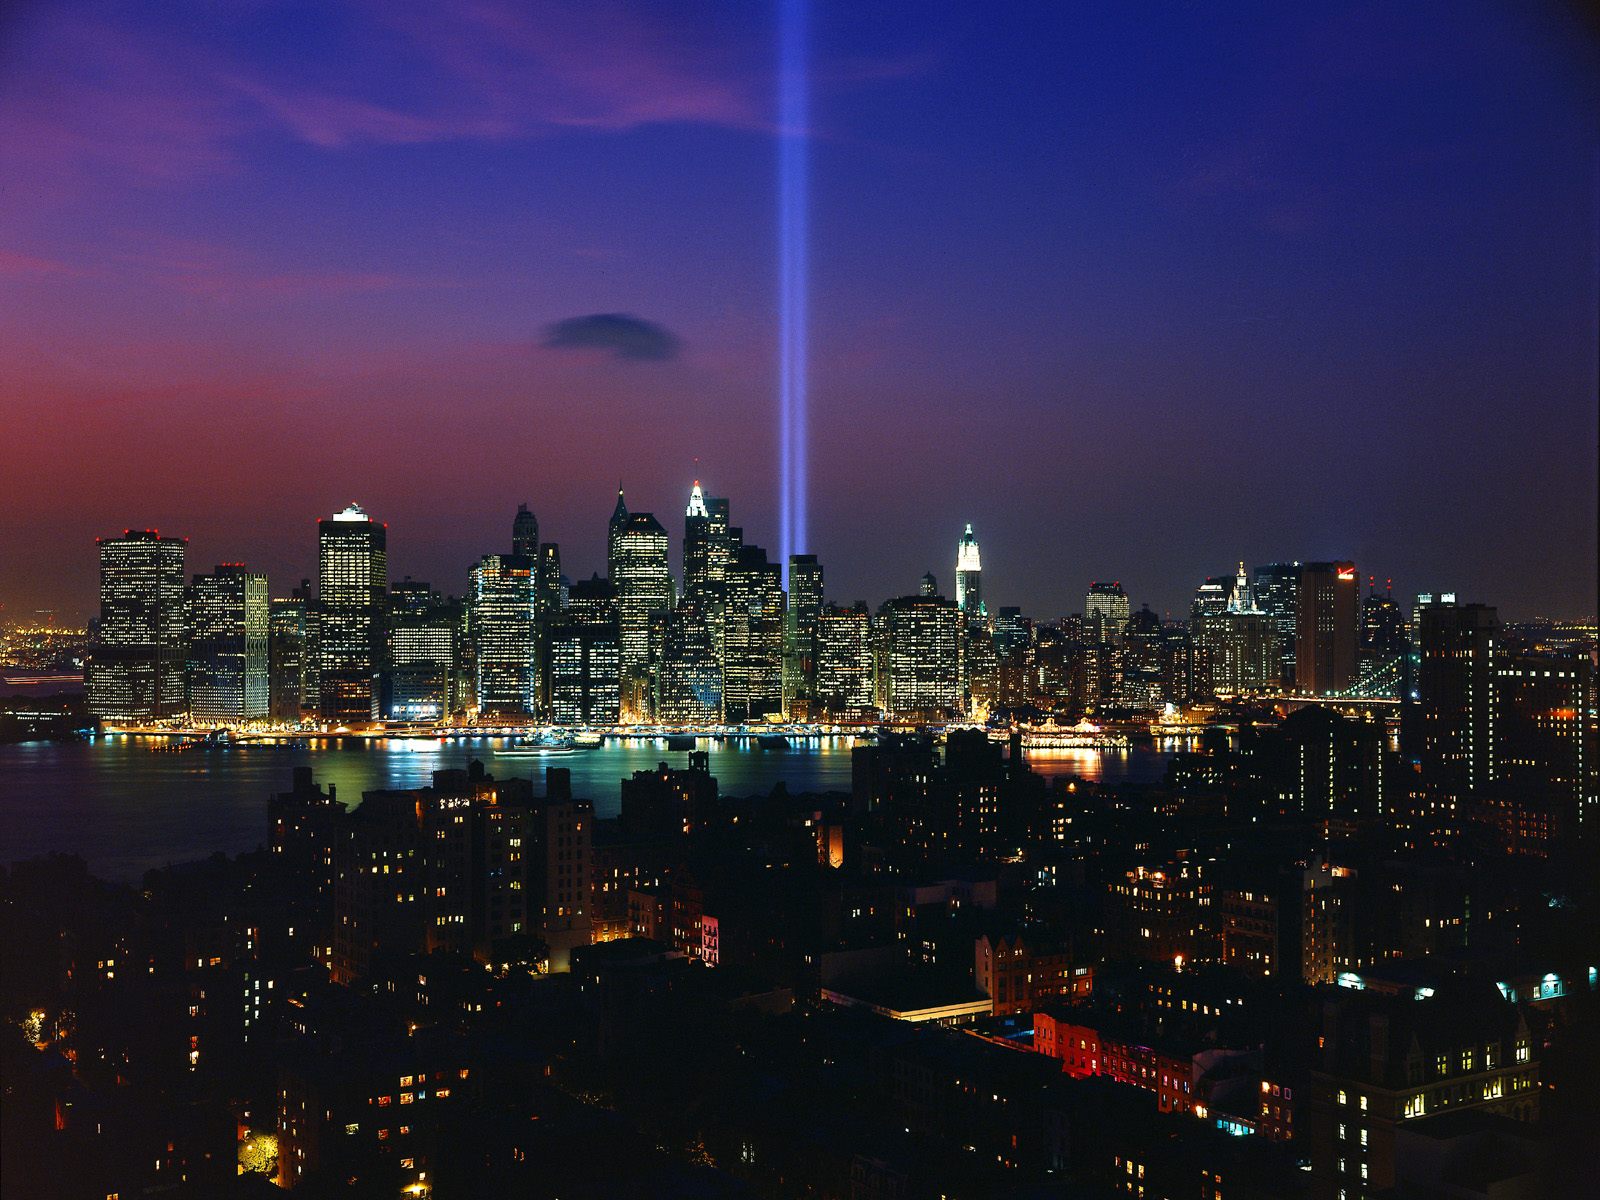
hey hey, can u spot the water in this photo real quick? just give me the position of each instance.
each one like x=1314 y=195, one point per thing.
x=126 y=808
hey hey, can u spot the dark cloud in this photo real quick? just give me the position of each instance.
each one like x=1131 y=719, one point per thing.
x=626 y=337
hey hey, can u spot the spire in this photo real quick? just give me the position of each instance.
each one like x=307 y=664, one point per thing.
x=697 y=502
x=1240 y=601
x=619 y=514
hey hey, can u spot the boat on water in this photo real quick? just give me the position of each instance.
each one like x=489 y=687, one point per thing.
x=1085 y=735
x=542 y=744
x=772 y=741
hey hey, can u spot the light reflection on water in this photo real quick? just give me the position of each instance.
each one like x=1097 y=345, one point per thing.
x=127 y=807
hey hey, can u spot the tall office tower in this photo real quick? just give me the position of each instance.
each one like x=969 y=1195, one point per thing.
x=136 y=663
x=690 y=688
x=1213 y=596
x=1177 y=662
x=980 y=664
x=501 y=606
x=1236 y=646
x=586 y=656
x=922 y=646
x=1382 y=654
x=1277 y=592
x=1326 y=619
x=1013 y=645
x=230 y=618
x=969 y=574
x=1143 y=684
x=352 y=583
x=643 y=578
x=929 y=586
x=703 y=561
x=1455 y=725
x=420 y=683
x=844 y=663
x=752 y=638
x=615 y=526
x=549 y=597
x=800 y=636
x=548 y=584
x=1545 y=788
x=525 y=534
x=1105 y=612
x=287 y=654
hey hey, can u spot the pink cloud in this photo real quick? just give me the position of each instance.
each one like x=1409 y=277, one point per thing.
x=30 y=266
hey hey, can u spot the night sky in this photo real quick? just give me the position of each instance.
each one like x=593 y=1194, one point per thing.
x=1137 y=297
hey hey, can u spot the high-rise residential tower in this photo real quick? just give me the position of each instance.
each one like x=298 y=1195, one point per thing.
x=228 y=656
x=352 y=584
x=136 y=664
x=1455 y=726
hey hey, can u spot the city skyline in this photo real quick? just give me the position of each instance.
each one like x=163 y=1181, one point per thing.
x=1049 y=298
x=577 y=563
x=799 y=599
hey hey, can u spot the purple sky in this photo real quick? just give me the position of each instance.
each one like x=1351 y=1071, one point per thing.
x=1138 y=298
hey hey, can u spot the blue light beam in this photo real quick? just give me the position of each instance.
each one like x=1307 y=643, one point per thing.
x=794 y=104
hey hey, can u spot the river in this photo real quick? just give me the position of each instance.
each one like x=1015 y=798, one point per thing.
x=127 y=808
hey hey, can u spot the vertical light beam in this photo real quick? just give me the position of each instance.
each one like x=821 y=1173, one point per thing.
x=794 y=103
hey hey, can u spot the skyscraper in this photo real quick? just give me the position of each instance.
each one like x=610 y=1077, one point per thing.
x=1276 y=593
x=549 y=597
x=1235 y=646
x=844 y=662
x=922 y=648
x=502 y=620
x=800 y=635
x=752 y=647
x=969 y=574
x=525 y=533
x=136 y=663
x=1105 y=611
x=585 y=656
x=639 y=569
x=690 y=688
x=424 y=648
x=352 y=580
x=1325 y=628
x=1545 y=788
x=706 y=547
x=288 y=652
x=1382 y=654
x=229 y=629
x=1456 y=709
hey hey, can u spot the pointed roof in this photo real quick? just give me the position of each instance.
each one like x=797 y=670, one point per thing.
x=697 y=502
x=619 y=514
